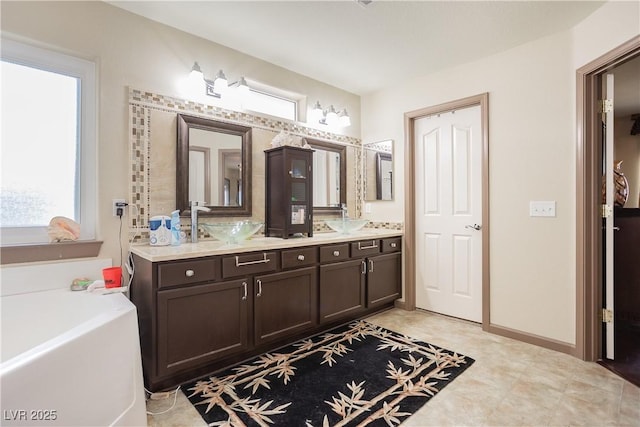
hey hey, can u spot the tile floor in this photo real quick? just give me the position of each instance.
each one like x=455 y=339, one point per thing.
x=511 y=383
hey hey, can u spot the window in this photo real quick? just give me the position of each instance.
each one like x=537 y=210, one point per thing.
x=263 y=102
x=269 y=100
x=48 y=142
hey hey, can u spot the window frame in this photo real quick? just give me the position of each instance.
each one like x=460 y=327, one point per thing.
x=86 y=180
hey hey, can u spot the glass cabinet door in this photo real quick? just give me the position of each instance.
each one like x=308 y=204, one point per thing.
x=299 y=175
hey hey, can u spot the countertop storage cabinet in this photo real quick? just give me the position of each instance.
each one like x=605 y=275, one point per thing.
x=203 y=314
x=289 y=190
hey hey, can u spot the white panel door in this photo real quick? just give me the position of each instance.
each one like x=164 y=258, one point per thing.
x=448 y=198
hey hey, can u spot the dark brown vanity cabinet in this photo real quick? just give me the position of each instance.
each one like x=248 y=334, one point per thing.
x=203 y=314
x=342 y=290
x=358 y=276
x=198 y=324
x=382 y=267
x=383 y=279
x=285 y=303
x=289 y=190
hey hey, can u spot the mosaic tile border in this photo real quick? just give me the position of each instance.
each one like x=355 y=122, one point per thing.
x=180 y=105
x=141 y=103
x=321 y=227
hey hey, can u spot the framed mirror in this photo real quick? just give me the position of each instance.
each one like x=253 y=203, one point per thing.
x=378 y=170
x=329 y=176
x=213 y=166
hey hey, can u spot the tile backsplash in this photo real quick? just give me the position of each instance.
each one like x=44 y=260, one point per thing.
x=153 y=144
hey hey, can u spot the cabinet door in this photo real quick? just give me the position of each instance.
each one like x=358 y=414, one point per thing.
x=383 y=279
x=201 y=323
x=284 y=304
x=341 y=290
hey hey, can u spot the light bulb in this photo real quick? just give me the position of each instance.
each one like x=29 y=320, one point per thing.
x=220 y=83
x=345 y=120
x=332 y=116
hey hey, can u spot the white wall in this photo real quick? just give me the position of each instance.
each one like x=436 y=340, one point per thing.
x=532 y=154
x=132 y=51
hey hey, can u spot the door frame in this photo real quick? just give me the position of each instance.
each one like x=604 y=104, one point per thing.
x=588 y=199
x=410 y=184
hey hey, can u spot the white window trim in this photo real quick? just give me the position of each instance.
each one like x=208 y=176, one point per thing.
x=45 y=59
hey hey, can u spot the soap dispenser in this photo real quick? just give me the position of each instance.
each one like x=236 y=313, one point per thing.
x=175 y=228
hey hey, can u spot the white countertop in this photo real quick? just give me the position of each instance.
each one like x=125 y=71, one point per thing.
x=215 y=247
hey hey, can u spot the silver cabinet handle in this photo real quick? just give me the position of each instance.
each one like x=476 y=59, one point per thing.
x=244 y=285
x=189 y=273
x=259 y=288
x=364 y=267
x=264 y=260
x=394 y=245
x=373 y=245
x=336 y=253
x=473 y=227
x=370 y=266
x=300 y=257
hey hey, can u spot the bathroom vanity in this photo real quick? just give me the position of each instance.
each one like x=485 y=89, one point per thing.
x=206 y=306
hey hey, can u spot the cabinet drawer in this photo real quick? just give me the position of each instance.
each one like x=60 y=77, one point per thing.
x=365 y=247
x=186 y=272
x=247 y=264
x=393 y=244
x=300 y=257
x=333 y=253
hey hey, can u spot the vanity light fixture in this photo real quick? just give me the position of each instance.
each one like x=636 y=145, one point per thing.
x=216 y=87
x=330 y=117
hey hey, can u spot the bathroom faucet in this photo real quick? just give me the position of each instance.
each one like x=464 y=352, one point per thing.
x=344 y=211
x=194 y=220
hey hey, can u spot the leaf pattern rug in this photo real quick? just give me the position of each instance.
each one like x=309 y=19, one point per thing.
x=358 y=374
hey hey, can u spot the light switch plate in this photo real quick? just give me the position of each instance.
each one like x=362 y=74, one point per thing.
x=542 y=208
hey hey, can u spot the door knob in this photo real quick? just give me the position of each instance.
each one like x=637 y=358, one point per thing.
x=474 y=226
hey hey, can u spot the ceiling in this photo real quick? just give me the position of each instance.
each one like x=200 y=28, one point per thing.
x=362 y=48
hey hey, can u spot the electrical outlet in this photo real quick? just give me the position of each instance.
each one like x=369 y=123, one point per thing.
x=118 y=204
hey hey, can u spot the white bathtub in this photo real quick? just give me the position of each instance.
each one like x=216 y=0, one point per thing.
x=70 y=358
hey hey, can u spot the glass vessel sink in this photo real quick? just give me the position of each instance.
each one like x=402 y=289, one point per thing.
x=346 y=225
x=232 y=232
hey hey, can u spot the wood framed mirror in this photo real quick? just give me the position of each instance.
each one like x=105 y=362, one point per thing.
x=329 y=176
x=213 y=166
x=377 y=170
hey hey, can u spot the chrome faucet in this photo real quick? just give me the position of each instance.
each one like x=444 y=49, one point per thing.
x=344 y=211
x=194 y=220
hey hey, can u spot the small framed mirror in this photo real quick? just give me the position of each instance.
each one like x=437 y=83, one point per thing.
x=213 y=166
x=378 y=170
x=329 y=176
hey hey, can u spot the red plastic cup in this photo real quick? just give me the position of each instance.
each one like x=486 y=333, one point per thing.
x=112 y=277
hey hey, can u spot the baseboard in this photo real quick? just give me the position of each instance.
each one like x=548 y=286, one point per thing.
x=549 y=343
x=400 y=304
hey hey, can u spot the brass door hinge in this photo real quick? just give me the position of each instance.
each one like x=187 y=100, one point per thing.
x=607 y=315
x=606 y=105
x=607 y=211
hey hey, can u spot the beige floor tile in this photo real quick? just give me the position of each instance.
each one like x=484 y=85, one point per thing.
x=510 y=384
